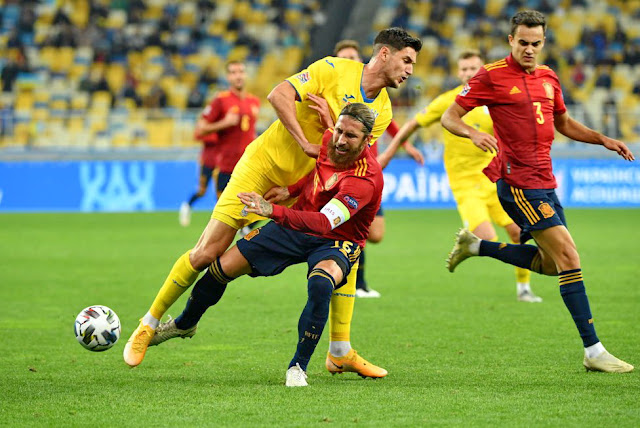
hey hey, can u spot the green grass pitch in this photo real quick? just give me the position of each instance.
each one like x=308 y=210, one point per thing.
x=459 y=348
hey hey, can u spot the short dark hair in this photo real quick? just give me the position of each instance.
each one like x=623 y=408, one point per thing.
x=343 y=44
x=395 y=38
x=470 y=53
x=232 y=62
x=530 y=18
x=362 y=114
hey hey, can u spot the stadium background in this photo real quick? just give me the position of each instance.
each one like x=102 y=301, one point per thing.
x=101 y=96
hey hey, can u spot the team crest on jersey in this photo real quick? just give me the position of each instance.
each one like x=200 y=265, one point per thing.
x=336 y=221
x=303 y=77
x=331 y=181
x=465 y=90
x=548 y=90
x=546 y=210
x=351 y=202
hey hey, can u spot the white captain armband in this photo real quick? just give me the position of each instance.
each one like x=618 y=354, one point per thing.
x=336 y=213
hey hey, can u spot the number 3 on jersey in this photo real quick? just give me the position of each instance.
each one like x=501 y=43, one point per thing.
x=539 y=116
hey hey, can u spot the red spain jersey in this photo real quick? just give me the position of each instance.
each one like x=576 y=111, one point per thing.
x=522 y=106
x=335 y=203
x=233 y=140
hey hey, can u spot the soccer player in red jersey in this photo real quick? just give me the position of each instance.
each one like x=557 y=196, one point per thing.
x=326 y=228
x=351 y=49
x=526 y=104
x=226 y=127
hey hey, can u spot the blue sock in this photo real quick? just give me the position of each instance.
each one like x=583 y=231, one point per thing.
x=314 y=316
x=520 y=255
x=206 y=293
x=575 y=299
x=360 y=281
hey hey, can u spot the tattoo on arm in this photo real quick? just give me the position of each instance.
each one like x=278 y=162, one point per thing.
x=266 y=208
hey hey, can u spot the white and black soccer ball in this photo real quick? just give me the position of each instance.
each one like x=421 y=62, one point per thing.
x=97 y=328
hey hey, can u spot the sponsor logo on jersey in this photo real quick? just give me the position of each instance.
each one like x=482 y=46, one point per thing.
x=465 y=90
x=546 y=210
x=515 y=90
x=303 y=77
x=351 y=202
x=330 y=63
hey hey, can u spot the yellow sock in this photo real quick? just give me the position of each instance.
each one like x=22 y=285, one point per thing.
x=341 y=309
x=180 y=278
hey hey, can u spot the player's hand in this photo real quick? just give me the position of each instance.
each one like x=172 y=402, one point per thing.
x=277 y=194
x=256 y=204
x=619 y=147
x=485 y=142
x=322 y=107
x=232 y=118
x=414 y=153
x=312 y=150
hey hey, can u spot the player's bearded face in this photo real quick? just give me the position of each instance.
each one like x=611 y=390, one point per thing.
x=526 y=44
x=348 y=141
x=399 y=66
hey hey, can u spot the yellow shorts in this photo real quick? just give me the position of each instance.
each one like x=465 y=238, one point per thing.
x=479 y=203
x=254 y=172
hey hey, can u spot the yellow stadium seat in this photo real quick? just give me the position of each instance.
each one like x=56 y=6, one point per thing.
x=115 y=76
x=101 y=100
x=160 y=132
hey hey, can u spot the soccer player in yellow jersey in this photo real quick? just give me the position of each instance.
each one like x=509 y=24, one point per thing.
x=475 y=195
x=282 y=155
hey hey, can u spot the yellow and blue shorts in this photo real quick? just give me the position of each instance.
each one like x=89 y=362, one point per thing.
x=479 y=203
x=531 y=209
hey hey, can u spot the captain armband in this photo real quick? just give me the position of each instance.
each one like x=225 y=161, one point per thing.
x=336 y=213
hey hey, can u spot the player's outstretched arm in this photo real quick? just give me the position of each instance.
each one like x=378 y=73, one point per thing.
x=452 y=121
x=405 y=132
x=573 y=129
x=283 y=99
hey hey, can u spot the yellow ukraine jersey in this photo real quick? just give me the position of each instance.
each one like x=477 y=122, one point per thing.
x=338 y=81
x=463 y=161
x=275 y=158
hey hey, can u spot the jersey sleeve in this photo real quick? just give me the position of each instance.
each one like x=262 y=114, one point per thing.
x=558 y=102
x=213 y=111
x=478 y=92
x=314 y=78
x=354 y=194
x=434 y=111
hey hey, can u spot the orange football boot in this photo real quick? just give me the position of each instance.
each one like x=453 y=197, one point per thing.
x=352 y=362
x=137 y=345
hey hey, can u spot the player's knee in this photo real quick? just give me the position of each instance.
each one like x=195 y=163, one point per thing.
x=203 y=255
x=567 y=258
x=375 y=236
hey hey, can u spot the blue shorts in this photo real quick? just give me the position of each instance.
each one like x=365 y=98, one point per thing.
x=272 y=248
x=380 y=212
x=531 y=209
x=222 y=181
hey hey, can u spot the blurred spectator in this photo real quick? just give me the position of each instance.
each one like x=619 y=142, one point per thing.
x=94 y=82
x=636 y=88
x=196 y=98
x=473 y=11
x=401 y=18
x=442 y=59
x=604 y=78
x=156 y=98
x=578 y=75
x=11 y=70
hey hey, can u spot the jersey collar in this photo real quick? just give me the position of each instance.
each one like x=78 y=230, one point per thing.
x=517 y=67
x=364 y=97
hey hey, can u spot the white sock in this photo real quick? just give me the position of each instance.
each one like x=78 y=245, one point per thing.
x=474 y=247
x=523 y=286
x=594 y=350
x=150 y=320
x=339 y=348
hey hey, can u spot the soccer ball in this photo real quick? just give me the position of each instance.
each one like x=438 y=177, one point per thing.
x=97 y=328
